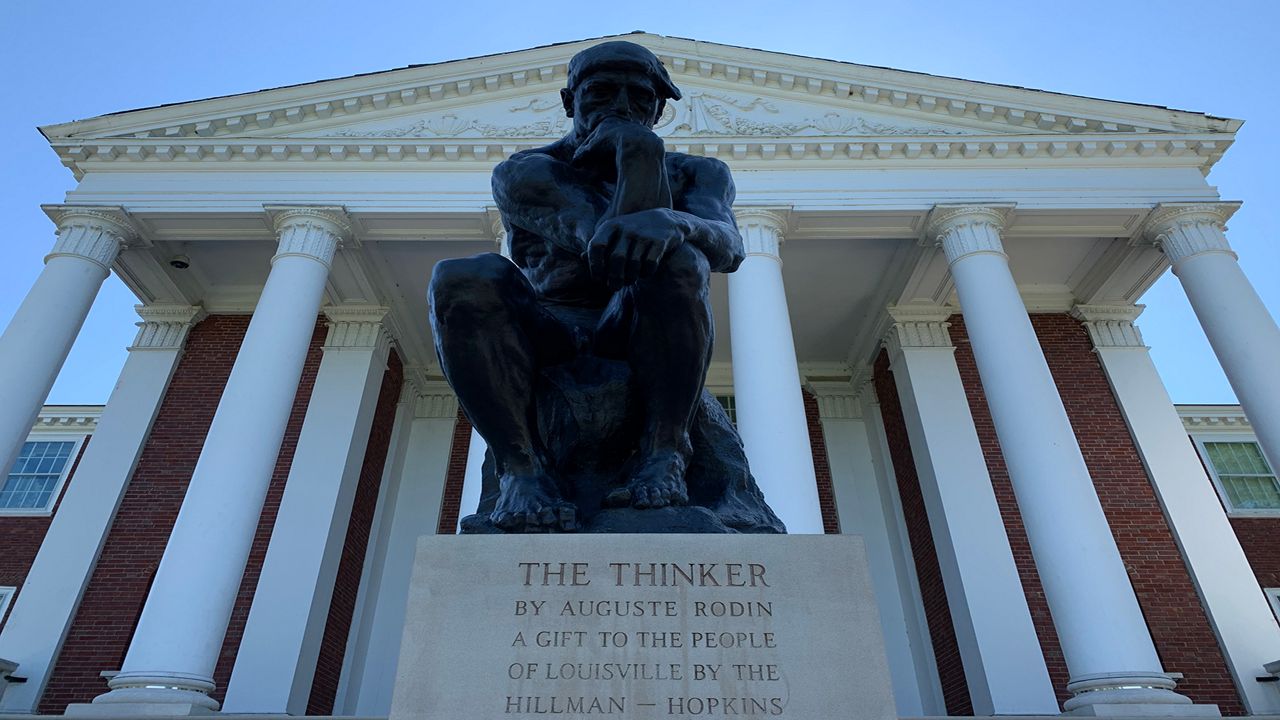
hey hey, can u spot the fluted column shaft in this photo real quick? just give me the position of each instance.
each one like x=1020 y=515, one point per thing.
x=1107 y=647
x=36 y=342
x=766 y=377
x=1243 y=334
x=175 y=647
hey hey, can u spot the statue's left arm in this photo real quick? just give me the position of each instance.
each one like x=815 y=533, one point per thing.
x=707 y=206
x=632 y=246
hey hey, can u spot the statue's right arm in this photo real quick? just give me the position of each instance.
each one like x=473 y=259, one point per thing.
x=540 y=194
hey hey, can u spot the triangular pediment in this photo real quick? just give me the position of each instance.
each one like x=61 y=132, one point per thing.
x=704 y=111
x=731 y=96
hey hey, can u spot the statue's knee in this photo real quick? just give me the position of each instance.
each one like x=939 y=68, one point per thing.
x=470 y=279
x=688 y=265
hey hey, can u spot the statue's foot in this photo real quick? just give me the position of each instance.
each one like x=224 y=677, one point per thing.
x=532 y=504
x=658 y=483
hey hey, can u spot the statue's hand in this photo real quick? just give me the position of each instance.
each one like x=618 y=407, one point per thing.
x=600 y=148
x=631 y=247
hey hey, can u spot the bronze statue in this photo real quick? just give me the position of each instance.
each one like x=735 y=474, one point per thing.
x=612 y=242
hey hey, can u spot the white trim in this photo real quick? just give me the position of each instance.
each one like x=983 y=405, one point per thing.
x=1241 y=436
x=77 y=443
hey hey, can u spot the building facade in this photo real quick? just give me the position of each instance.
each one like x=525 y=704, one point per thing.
x=932 y=344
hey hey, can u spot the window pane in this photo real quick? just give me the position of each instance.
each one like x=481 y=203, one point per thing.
x=1251 y=492
x=35 y=474
x=1237 y=458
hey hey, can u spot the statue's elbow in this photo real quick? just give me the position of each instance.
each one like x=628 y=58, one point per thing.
x=736 y=256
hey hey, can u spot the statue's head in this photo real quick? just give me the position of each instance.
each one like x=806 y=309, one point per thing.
x=616 y=79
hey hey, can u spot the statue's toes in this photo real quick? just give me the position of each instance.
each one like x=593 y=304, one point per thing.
x=547 y=516
x=618 y=497
x=568 y=518
x=509 y=521
x=678 y=496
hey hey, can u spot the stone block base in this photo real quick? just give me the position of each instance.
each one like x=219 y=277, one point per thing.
x=1129 y=710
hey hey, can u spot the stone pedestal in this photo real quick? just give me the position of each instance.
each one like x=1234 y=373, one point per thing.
x=642 y=626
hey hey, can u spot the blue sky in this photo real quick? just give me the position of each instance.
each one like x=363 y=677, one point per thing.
x=81 y=58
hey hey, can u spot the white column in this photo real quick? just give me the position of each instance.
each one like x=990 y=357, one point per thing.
x=1238 y=611
x=1104 y=638
x=766 y=378
x=170 y=662
x=1003 y=662
x=865 y=510
x=473 y=478
x=411 y=509
x=276 y=662
x=38 y=338
x=50 y=596
x=1243 y=334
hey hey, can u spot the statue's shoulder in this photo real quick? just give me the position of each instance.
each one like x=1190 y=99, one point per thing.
x=701 y=175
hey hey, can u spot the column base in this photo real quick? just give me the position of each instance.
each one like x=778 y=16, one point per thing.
x=1145 y=710
x=150 y=694
x=136 y=709
x=1131 y=695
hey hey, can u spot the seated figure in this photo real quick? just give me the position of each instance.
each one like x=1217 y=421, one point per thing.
x=612 y=242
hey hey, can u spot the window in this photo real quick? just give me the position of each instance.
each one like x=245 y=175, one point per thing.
x=726 y=401
x=1245 y=480
x=6 y=596
x=36 y=477
x=1273 y=594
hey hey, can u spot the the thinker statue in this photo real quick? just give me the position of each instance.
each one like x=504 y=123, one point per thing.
x=581 y=360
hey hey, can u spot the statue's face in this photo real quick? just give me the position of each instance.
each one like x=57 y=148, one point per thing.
x=612 y=93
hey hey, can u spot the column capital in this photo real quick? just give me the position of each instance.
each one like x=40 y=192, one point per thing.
x=356 y=327
x=165 y=326
x=763 y=229
x=837 y=399
x=1183 y=230
x=314 y=232
x=499 y=230
x=963 y=230
x=435 y=399
x=1111 y=326
x=918 y=326
x=93 y=232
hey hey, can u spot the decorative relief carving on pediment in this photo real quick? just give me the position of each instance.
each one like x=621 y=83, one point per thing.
x=698 y=114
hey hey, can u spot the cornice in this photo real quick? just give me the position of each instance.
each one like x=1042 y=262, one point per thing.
x=844 y=83
x=1214 y=418
x=141 y=154
x=61 y=418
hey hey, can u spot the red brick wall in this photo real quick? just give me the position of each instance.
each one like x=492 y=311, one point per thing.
x=451 y=503
x=942 y=633
x=100 y=634
x=821 y=466
x=1178 y=625
x=333 y=645
x=1260 y=538
x=21 y=538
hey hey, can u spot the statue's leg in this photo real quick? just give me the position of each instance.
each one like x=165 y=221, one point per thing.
x=491 y=336
x=663 y=327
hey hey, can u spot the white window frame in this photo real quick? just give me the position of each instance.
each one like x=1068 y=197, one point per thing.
x=1273 y=595
x=1200 y=439
x=77 y=442
x=9 y=591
